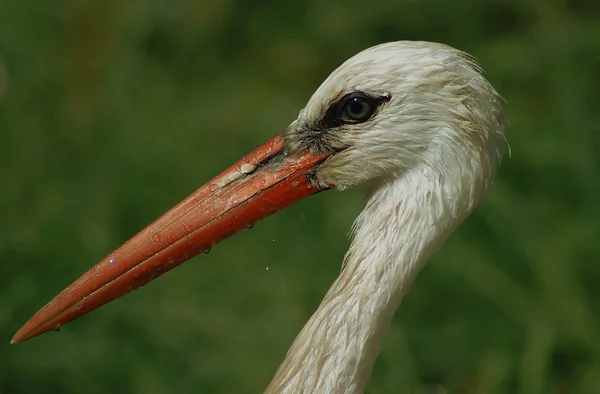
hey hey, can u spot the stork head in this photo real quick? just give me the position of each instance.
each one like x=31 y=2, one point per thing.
x=397 y=106
x=388 y=110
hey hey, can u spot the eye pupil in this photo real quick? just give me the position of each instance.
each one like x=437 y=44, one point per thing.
x=358 y=107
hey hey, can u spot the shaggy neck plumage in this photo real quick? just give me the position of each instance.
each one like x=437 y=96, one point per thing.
x=403 y=223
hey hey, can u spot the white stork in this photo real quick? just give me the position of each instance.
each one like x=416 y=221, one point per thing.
x=414 y=123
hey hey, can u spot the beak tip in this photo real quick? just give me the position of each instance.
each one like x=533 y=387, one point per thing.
x=25 y=333
x=18 y=338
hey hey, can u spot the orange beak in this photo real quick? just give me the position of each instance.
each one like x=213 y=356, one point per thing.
x=255 y=187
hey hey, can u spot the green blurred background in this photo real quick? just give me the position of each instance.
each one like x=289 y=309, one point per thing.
x=112 y=111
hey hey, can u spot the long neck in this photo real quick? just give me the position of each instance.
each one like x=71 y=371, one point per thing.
x=403 y=223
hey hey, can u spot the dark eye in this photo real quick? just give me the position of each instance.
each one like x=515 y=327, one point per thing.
x=357 y=108
x=354 y=108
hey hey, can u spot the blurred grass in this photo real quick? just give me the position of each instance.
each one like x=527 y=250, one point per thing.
x=111 y=112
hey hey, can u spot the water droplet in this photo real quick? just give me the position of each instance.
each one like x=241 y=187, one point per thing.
x=156 y=237
x=250 y=227
x=267 y=268
x=168 y=238
x=111 y=260
x=234 y=202
x=207 y=251
x=212 y=187
x=273 y=239
x=187 y=228
x=309 y=185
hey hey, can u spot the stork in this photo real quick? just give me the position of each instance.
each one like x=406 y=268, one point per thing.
x=414 y=123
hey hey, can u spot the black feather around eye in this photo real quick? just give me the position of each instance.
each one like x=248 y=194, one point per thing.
x=353 y=108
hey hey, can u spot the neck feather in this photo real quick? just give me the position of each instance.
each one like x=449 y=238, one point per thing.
x=403 y=223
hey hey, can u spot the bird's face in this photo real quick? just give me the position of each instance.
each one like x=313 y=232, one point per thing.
x=397 y=106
